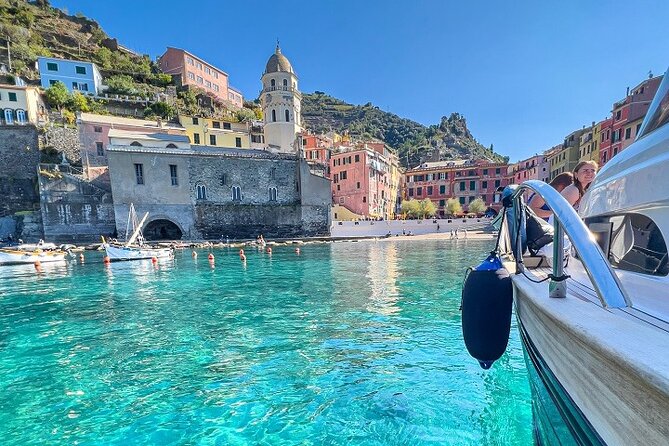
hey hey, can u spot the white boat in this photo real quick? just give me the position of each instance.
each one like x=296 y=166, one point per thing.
x=596 y=332
x=135 y=248
x=16 y=255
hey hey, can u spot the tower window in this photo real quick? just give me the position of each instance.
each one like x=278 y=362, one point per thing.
x=285 y=82
x=273 y=83
x=201 y=192
x=287 y=116
x=236 y=193
x=273 y=115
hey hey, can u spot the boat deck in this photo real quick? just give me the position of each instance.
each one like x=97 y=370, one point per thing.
x=653 y=310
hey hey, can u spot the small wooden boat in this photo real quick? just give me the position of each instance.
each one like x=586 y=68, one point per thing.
x=15 y=256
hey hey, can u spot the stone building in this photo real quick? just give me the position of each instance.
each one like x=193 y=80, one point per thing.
x=203 y=192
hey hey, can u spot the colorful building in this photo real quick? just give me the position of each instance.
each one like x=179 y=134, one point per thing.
x=533 y=168
x=464 y=180
x=362 y=180
x=21 y=105
x=215 y=133
x=75 y=74
x=605 y=134
x=566 y=158
x=588 y=144
x=317 y=149
x=628 y=114
x=94 y=138
x=194 y=71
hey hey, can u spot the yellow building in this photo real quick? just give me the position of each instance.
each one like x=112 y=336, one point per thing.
x=215 y=133
x=396 y=176
x=588 y=148
x=21 y=105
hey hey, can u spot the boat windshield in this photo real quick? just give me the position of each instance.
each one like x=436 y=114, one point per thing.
x=658 y=113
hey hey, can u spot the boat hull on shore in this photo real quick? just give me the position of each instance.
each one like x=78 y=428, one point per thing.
x=123 y=253
x=17 y=257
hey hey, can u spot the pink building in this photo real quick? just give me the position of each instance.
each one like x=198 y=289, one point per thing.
x=534 y=168
x=628 y=114
x=94 y=138
x=194 y=71
x=361 y=182
x=464 y=180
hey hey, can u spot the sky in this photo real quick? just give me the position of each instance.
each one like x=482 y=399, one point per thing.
x=523 y=73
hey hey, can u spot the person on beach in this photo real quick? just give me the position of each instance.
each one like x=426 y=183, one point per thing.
x=539 y=206
x=584 y=173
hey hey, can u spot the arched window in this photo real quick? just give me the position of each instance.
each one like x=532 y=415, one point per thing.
x=272 y=194
x=21 y=116
x=9 y=116
x=236 y=193
x=171 y=146
x=273 y=115
x=285 y=84
x=201 y=191
x=135 y=144
x=287 y=116
x=273 y=83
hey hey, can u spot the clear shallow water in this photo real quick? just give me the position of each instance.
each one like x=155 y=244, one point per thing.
x=348 y=343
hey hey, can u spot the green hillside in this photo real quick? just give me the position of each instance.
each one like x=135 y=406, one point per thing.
x=414 y=142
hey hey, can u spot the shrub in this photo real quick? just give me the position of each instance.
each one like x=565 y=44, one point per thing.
x=162 y=109
x=121 y=84
x=57 y=95
x=78 y=102
x=160 y=80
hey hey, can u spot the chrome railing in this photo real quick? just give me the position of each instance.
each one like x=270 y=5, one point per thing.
x=566 y=220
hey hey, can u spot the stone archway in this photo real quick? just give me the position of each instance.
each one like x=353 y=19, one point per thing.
x=162 y=229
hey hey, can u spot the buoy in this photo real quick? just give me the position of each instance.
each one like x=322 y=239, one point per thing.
x=81 y=257
x=154 y=259
x=242 y=258
x=194 y=255
x=241 y=252
x=210 y=257
x=269 y=250
x=487 y=298
x=297 y=251
x=37 y=264
x=106 y=260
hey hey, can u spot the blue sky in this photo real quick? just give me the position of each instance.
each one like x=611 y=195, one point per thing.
x=523 y=73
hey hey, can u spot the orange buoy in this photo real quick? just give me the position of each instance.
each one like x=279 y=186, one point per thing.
x=210 y=257
x=154 y=259
x=106 y=260
x=241 y=252
x=37 y=264
x=242 y=258
x=269 y=250
x=194 y=255
x=81 y=257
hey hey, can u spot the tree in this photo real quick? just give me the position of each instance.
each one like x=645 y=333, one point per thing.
x=121 y=84
x=477 y=206
x=245 y=115
x=453 y=206
x=162 y=109
x=57 y=95
x=78 y=102
x=410 y=207
x=427 y=208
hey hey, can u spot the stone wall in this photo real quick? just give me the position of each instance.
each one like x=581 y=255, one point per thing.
x=239 y=221
x=19 y=159
x=64 y=140
x=74 y=210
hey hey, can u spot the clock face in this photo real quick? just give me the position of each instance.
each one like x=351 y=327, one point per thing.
x=268 y=97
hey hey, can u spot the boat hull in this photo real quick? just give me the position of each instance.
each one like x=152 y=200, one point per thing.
x=123 y=253
x=588 y=386
x=17 y=257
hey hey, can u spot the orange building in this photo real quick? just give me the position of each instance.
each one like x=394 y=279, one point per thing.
x=194 y=71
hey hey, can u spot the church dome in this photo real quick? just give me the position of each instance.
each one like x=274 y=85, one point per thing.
x=278 y=62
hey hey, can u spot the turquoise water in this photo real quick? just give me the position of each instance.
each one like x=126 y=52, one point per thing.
x=347 y=343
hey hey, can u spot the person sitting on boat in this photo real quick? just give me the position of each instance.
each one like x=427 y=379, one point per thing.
x=584 y=173
x=539 y=206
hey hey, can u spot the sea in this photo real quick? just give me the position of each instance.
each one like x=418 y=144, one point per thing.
x=347 y=343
